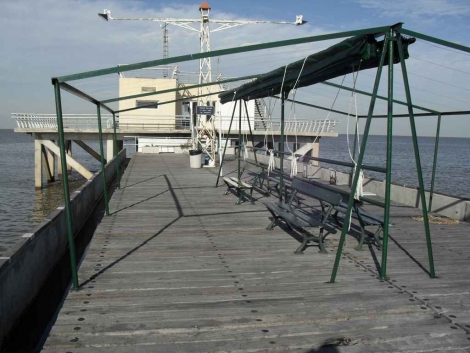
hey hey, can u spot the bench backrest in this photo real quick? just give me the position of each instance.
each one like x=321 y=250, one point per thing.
x=316 y=192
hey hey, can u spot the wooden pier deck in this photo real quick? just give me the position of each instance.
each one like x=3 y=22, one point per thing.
x=178 y=267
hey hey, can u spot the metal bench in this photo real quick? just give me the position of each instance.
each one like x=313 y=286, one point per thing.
x=241 y=188
x=365 y=219
x=298 y=219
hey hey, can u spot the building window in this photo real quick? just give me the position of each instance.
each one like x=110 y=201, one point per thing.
x=146 y=104
x=149 y=89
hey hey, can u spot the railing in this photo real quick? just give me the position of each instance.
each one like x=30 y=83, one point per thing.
x=88 y=122
x=77 y=122
x=300 y=125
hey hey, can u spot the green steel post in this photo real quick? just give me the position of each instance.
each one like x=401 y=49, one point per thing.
x=347 y=218
x=116 y=162
x=239 y=137
x=418 y=161
x=281 y=147
x=251 y=132
x=434 y=164
x=226 y=142
x=65 y=184
x=103 y=169
x=388 y=177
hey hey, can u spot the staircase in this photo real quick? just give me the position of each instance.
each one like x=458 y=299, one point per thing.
x=260 y=123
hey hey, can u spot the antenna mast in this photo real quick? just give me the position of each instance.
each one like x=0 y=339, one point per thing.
x=205 y=69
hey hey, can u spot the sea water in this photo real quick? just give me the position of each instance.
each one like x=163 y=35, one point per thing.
x=22 y=207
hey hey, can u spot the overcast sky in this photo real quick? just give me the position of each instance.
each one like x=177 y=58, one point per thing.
x=45 y=38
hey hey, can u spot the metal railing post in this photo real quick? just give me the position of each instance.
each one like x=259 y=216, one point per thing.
x=65 y=184
x=418 y=160
x=103 y=168
x=116 y=153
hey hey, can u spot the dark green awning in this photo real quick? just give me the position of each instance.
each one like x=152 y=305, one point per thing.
x=338 y=60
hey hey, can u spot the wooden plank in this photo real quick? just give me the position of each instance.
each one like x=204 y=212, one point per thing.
x=176 y=267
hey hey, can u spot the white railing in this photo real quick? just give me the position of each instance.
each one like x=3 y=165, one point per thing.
x=88 y=122
x=77 y=122
x=300 y=125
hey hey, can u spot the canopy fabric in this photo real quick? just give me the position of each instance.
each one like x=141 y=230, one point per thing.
x=338 y=60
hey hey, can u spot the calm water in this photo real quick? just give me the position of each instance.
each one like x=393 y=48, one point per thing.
x=453 y=160
x=22 y=207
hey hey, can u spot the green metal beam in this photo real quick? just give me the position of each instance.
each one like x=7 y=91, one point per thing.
x=80 y=94
x=222 y=52
x=65 y=185
x=419 y=170
x=452 y=113
x=347 y=218
x=388 y=176
x=166 y=102
x=314 y=106
x=435 y=40
x=378 y=97
x=180 y=88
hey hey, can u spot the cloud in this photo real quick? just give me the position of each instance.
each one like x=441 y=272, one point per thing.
x=437 y=8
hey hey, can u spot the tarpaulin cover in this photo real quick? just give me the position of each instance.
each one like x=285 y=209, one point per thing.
x=338 y=60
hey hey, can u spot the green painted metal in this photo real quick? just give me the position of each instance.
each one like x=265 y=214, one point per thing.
x=222 y=52
x=103 y=169
x=65 y=185
x=347 y=218
x=167 y=102
x=451 y=113
x=116 y=152
x=388 y=175
x=284 y=95
x=435 y=40
x=313 y=106
x=182 y=88
x=83 y=95
x=226 y=143
x=434 y=163
x=432 y=272
x=378 y=97
x=239 y=138
x=251 y=132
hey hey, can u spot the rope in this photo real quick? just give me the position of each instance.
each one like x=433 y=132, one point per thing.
x=293 y=163
x=359 y=192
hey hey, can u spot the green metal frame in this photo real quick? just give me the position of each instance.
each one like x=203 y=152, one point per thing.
x=60 y=83
x=434 y=163
x=65 y=185
x=222 y=52
x=103 y=168
x=182 y=88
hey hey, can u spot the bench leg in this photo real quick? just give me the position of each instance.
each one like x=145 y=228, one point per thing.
x=273 y=223
x=361 y=241
x=251 y=196
x=228 y=191
x=240 y=197
x=377 y=235
x=303 y=246
x=320 y=242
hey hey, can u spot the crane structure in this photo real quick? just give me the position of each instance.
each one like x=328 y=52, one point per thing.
x=204 y=132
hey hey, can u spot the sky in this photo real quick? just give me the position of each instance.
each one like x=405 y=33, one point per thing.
x=47 y=38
